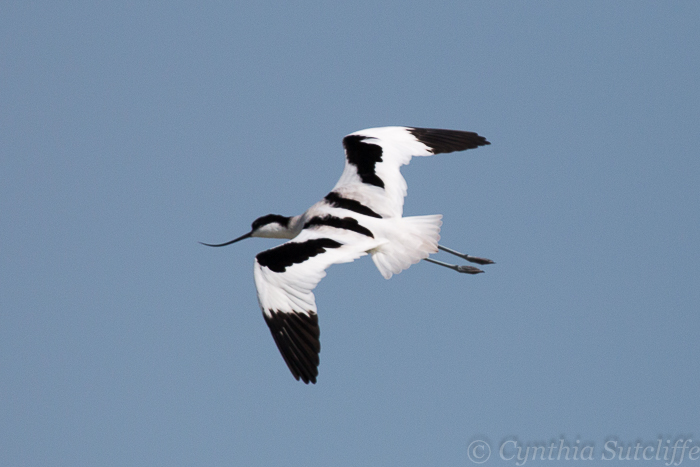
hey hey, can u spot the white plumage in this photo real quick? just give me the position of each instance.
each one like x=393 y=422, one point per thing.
x=398 y=146
x=360 y=216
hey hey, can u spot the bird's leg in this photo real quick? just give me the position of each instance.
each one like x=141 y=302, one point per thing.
x=464 y=269
x=471 y=259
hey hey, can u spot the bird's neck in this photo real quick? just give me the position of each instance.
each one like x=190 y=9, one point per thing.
x=296 y=224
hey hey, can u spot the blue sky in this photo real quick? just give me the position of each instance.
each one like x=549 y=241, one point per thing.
x=130 y=132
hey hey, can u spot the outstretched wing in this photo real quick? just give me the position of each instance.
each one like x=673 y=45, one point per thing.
x=285 y=277
x=371 y=182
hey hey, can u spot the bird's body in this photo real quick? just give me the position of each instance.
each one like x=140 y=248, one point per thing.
x=361 y=215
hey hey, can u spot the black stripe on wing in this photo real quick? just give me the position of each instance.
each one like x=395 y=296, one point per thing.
x=347 y=223
x=442 y=141
x=297 y=338
x=337 y=201
x=364 y=156
x=278 y=259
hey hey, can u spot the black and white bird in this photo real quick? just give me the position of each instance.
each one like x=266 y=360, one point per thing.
x=361 y=215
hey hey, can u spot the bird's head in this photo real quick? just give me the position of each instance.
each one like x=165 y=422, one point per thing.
x=269 y=226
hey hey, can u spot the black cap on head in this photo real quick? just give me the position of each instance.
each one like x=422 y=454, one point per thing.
x=269 y=219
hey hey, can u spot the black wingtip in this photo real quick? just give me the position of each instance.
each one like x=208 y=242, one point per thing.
x=444 y=141
x=297 y=338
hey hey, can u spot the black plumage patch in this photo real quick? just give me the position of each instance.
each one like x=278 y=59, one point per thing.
x=347 y=223
x=364 y=156
x=278 y=259
x=442 y=141
x=337 y=201
x=269 y=219
x=297 y=338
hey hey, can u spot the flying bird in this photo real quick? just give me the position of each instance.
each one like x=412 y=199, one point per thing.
x=361 y=215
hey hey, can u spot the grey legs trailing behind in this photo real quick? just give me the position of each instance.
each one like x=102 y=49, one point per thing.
x=458 y=268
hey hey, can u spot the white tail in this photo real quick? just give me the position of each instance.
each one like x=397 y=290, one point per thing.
x=412 y=239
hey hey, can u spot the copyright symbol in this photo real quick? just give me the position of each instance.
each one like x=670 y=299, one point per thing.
x=479 y=451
